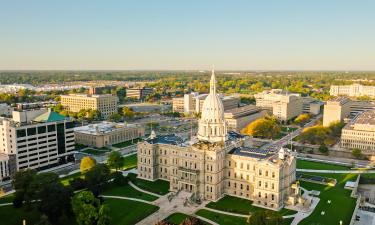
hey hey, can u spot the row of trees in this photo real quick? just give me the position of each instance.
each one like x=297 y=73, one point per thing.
x=320 y=135
x=57 y=203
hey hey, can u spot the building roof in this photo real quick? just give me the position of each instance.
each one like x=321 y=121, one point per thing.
x=49 y=116
x=250 y=152
x=103 y=128
x=170 y=139
x=367 y=117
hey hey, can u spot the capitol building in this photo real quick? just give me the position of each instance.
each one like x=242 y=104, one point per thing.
x=217 y=162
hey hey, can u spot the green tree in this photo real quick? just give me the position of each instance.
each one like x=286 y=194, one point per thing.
x=87 y=163
x=115 y=160
x=97 y=177
x=115 y=117
x=22 y=183
x=85 y=208
x=55 y=201
x=303 y=118
x=357 y=153
x=104 y=216
x=323 y=149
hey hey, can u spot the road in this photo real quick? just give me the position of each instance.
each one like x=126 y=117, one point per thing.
x=277 y=144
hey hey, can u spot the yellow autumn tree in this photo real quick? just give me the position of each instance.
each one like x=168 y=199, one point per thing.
x=303 y=118
x=87 y=163
x=264 y=127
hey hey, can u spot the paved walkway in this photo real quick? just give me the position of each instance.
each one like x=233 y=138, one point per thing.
x=206 y=220
x=301 y=214
x=169 y=207
x=5 y=204
x=126 y=198
x=141 y=190
x=226 y=213
x=335 y=171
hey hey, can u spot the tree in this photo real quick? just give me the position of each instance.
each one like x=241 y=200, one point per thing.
x=85 y=208
x=115 y=117
x=96 y=177
x=323 y=149
x=115 y=160
x=263 y=217
x=303 y=118
x=264 y=127
x=87 y=163
x=128 y=113
x=191 y=221
x=357 y=153
x=104 y=217
x=55 y=201
x=22 y=183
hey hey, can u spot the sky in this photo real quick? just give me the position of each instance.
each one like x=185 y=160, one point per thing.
x=187 y=35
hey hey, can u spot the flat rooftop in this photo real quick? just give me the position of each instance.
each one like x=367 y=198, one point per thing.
x=367 y=117
x=103 y=128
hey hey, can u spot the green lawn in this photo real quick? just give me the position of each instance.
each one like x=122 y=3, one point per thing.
x=291 y=129
x=7 y=199
x=240 y=206
x=130 y=162
x=65 y=180
x=127 y=191
x=340 y=199
x=160 y=187
x=304 y=164
x=221 y=218
x=178 y=218
x=127 y=143
x=14 y=216
x=125 y=212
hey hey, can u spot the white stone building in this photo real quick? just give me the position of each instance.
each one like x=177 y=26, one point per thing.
x=220 y=162
x=353 y=90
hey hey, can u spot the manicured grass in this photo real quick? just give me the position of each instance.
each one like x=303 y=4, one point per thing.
x=288 y=221
x=65 y=180
x=240 y=206
x=178 y=218
x=14 y=216
x=127 y=191
x=221 y=218
x=7 y=199
x=128 y=212
x=130 y=162
x=340 y=199
x=304 y=164
x=160 y=187
x=127 y=143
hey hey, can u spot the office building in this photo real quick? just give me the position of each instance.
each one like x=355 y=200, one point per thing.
x=138 y=93
x=353 y=90
x=219 y=163
x=360 y=133
x=284 y=106
x=336 y=110
x=105 y=104
x=107 y=133
x=238 y=118
x=311 y=106
x=5 y=109
x=38 y=138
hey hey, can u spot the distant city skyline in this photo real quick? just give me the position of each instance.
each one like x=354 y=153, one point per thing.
x=191 y=35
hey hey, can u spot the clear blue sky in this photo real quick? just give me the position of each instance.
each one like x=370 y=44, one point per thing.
x=194 y=34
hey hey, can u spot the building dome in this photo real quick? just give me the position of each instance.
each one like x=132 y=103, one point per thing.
x=212 y=126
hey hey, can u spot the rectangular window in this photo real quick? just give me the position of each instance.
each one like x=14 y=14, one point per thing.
x=21 y=133
x=42 y=130
x=31 y=131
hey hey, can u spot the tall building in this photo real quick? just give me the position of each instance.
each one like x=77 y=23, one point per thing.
x=336 y=110
x=360 y=133
x=284 y=106
x=105 y=104
x=107 y=133
x=38 y=139
x=138 y=93
x=193 y=102
x=218 y=162
x=311 y=105
x=239 y=118
x=353 y=90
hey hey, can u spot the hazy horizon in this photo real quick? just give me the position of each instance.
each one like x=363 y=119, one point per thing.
x=169 y=35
